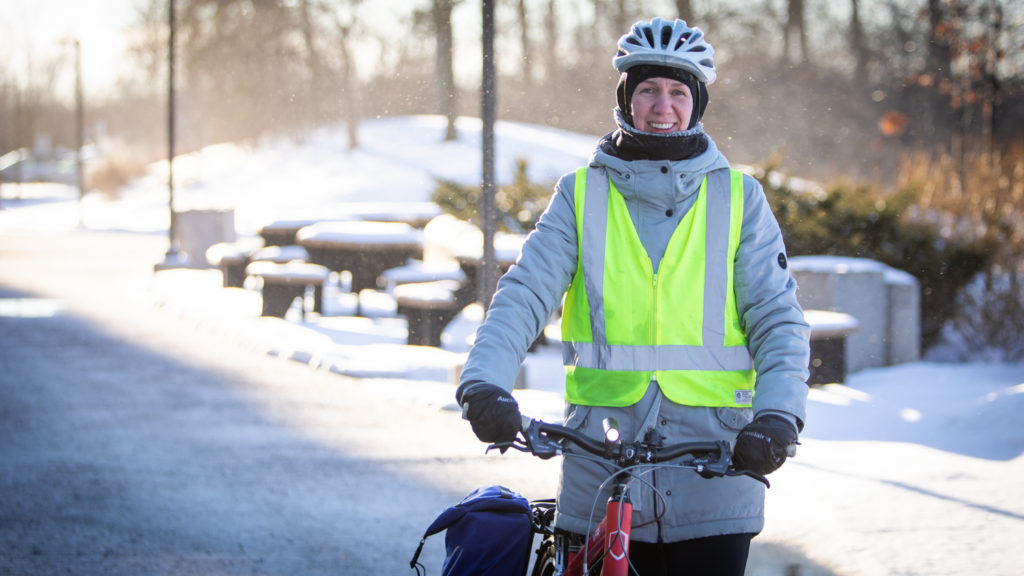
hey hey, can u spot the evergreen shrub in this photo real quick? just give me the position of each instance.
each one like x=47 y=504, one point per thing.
x=518 y=204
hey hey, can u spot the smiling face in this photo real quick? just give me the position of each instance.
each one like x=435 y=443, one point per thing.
x=661 y=105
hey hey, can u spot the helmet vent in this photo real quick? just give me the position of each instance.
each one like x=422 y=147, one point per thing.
x=666 y=36
x=649 y=34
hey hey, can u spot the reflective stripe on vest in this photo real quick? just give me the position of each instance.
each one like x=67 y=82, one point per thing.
x=616 y=337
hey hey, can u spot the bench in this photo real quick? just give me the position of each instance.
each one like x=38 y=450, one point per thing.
x=829 y=331
x=282 y=283
x=429 y=307
x=415 y=271
x=232 y=258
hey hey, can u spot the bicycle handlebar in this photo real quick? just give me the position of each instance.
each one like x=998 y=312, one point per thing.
x=544 y=440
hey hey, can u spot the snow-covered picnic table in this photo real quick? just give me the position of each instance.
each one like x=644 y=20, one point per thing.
x=470 y=256
x=282 y=282
x=829 y=331
x=416 y=214
x=365 y=249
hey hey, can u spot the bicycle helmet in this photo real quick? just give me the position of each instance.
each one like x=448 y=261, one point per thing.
x=669 y=43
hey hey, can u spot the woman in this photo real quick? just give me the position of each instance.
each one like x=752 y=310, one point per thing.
x=680 y=315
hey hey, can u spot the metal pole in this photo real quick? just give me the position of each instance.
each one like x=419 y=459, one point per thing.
x=79 y=129
x=488 y=269
x=172 y=250
x=174 y=258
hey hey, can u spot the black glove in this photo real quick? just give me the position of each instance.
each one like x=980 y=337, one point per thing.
x=492 y=411
x=762 y=445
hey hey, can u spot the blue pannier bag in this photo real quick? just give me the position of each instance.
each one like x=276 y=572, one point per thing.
x=489 y=533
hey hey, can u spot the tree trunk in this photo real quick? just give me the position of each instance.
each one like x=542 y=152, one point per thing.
x=552 y=64
x=524 y=45
x=442 y=14
x=348 y=87
x=795 y=24
x=937 y=67
x=684 y=10
x=313 y=61
x=858 y=45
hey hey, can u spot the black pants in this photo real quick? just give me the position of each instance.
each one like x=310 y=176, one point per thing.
x=712 y=556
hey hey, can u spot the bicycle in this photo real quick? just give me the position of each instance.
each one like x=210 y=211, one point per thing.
x=606 y=548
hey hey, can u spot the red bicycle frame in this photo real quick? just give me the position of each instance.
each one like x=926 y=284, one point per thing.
x=610 y=540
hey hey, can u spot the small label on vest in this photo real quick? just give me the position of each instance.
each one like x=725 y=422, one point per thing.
x=744 y=396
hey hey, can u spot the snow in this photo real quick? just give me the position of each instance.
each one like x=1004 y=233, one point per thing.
x=825 y=323
x=361 y=232
x=910 y=469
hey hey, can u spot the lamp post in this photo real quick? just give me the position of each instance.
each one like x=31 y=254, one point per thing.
x=174 y=257
x=79 y=130
x=79 y=124
x=488 y=269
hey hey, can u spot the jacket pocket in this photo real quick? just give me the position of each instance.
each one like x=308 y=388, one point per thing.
x=576 y=416
x=734 y=419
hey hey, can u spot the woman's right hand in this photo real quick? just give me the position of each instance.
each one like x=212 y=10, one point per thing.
x=492 y=412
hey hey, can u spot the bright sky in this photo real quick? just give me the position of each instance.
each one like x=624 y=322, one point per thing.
x=34 y=33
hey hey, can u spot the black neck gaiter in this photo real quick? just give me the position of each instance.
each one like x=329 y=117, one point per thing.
x=629 y=144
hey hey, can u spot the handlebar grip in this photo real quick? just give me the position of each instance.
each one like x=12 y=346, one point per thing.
x=526 y=421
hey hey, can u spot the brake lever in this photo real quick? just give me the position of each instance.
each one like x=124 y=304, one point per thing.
x=537 y=444
x=504 y=446
x=750 y=473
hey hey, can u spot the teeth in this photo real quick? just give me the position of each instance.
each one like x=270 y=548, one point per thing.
x=661 y=126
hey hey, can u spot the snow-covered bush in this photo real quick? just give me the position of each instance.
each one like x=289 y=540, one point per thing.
x=989 y=320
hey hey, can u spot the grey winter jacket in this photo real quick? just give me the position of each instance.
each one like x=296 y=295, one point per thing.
x=658 y=194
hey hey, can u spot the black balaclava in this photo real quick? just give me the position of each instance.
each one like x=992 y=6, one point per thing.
x=632 y=78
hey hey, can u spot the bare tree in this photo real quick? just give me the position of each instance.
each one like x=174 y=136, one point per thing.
x=524 y=44
x=795 y=25
x=441 y=13
x=552 y=44
x=937 y=65
x=309 y=12
x=858 y=44
x=348 y=82
x=345 y=23
x=684 y=10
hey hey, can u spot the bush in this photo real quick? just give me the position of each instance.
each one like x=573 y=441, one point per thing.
x=110 y=173
x=989 y=319
x=518 y=204
x=860 y=221
x=979 y=197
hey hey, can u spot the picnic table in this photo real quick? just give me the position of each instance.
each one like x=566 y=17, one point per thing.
x=283 y=282
x=470 y=257
x=365 y=249
x=829 y=332
x=416 y=214
x=282 y=232
x=232 y=258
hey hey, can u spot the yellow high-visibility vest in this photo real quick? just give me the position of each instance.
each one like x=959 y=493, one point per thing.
x=623 y=325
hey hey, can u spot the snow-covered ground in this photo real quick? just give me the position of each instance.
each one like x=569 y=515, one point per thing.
x=912 y=469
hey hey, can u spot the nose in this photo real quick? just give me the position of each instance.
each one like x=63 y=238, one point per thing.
x=663 y=103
